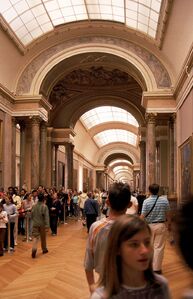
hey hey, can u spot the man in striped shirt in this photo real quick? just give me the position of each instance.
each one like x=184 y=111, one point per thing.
x=118 y=201
x=155 y=210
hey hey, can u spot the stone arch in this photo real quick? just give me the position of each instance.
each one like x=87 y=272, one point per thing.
x=113 y=125
x=117 y=148
x=76 y=108
x=130 y=167
x=115 y=156
x=152 y=70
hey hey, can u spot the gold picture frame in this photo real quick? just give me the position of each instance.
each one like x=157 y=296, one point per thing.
x=186 y=173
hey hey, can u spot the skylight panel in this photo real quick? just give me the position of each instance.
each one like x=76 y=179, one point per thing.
x=105 y=114
x=115 y=135
x=38 y=11
x=93 y=9
x=51 y=5
x=141 y=15
x=143 y=10
x=55 y=14
x=21 y=6
x=43 y=19
x=27 y=39
x=27 y=16
x=119 y=161
x=116 y=168
x=156 y=4
x=79 y=9
x=154 y=16
x=33 y=3
x=22 y=32
x=10 y=14
x=16 y=24
x=46 y=27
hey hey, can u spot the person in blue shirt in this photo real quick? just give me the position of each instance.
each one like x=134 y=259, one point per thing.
x=156 y=211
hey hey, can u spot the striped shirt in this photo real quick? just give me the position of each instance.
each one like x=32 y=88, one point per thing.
x=96 y=244
x=158 y=214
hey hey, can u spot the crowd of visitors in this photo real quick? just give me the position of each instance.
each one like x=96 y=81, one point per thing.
x=126 y=234
x=23 y=218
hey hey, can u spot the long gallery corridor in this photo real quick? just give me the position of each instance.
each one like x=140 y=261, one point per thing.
x=60 y=274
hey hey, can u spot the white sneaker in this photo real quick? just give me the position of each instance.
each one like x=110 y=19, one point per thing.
x=15 y=243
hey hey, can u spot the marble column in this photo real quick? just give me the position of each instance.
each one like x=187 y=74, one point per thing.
x=134 y=180
x=35 y=152
x=172 y=155
x=22 y=151
x=53 y=151
x=49 y=157
x=43 y=154
x=100 y=179
x=142 y=182
x=80 y=177
x=56 y=165
x=13 y=155
x=69 y=165
x=158 y=162
x=175 y=153
x=150 y=150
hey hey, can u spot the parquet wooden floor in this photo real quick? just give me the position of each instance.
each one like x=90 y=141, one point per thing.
x=59 y=274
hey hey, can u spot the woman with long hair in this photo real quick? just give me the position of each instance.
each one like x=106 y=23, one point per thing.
x=127 y=271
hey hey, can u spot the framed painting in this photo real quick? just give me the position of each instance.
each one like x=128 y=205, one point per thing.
x=186 y=175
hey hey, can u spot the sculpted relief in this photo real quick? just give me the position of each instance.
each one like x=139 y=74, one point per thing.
x=97 y=76
x=160 y=73
x=88 y=79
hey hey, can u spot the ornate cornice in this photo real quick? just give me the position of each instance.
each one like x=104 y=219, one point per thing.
x=7 y=94
x=160 y=102
x=38 y=99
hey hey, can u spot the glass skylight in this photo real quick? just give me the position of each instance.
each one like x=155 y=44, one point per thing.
x=115 y=135
x=124 y=179
x=30 y=19
x=105 y=114
x=119 y=161
x=122 y=168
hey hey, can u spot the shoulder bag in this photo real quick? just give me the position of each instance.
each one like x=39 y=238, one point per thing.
x=152 y=207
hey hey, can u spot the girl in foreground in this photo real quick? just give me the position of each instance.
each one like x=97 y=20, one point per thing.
x=127 y=271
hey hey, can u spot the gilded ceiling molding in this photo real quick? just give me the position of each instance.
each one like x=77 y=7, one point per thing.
x=41 y=62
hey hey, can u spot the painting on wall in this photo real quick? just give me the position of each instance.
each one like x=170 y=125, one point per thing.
x=186 y=169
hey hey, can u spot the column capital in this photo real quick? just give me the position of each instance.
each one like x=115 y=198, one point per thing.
x=35 y=120
x=150 y=117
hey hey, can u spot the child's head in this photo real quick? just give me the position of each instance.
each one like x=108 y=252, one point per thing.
x=129 y=247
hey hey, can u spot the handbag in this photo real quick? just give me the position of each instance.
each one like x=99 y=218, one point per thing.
x=152 y=207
